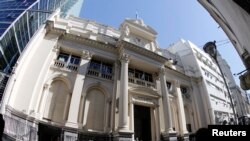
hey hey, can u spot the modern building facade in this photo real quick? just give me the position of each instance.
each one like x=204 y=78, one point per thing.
x=88 y=81
x=240 y=96
x=20 y=21
x=233 y=17
x=214 y=97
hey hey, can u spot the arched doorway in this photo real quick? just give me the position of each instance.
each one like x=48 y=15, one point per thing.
x=94 y=109
x=57 y=105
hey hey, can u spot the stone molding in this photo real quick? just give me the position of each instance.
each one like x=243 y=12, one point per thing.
x=86 y=55
x=162 y=70
x=125 y=57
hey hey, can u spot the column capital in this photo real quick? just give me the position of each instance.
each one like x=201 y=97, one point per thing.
x=124 y=57
x=56 y=48
x=86 y=55
x=162 y=70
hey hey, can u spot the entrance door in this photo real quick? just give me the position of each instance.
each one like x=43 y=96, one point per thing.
x=48 y=133
x=142 y=123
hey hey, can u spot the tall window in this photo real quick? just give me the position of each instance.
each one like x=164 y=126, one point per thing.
x=140 y=75
x=57 y=102
x=67 y=58
x=169 y=84
x=184 y=90
x=3 y=64
x=94 y=110
x=100 y=66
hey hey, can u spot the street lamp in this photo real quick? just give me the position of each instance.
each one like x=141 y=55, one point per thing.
x=210 y=48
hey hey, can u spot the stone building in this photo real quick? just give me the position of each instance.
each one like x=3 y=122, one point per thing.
x=82 y=80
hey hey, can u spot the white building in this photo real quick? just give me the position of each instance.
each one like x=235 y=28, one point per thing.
x=233 y=16
x=240 y=97
x=80 y=79
x=213 y=97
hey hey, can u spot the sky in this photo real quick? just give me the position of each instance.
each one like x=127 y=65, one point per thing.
x=172 y=19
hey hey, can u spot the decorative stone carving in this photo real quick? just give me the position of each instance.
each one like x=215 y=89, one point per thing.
x=124 y=57
x=86 y=54
x=162 y=70
x=46 y=86
x=14 y=68
x=56 y=48
x=126 y=31
x=144 y=100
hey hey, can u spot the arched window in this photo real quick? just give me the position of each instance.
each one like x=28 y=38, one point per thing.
x=94 y=110
x=57 y=104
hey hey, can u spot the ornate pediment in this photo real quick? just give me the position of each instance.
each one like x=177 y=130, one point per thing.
x=140 y=23
x=144 y=91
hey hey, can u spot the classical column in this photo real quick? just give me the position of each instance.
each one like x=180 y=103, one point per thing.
x=123 y=98
x=77 y=90
x=166 y=103
x=180 y=107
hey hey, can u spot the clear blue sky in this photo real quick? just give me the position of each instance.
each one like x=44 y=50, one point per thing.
x=172 y=19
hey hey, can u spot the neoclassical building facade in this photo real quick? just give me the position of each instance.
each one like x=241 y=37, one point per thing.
x=80 y=80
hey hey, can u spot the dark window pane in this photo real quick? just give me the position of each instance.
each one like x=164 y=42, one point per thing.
x=3 y=64
x=75 y=60
x=63 y=57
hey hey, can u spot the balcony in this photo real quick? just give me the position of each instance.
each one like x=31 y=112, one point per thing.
x=141 y=82
x=66 y=66
x=98 y=73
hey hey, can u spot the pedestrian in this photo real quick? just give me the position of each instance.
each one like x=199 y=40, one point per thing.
x=231 y=122
x=2 y=124
x=224 y=122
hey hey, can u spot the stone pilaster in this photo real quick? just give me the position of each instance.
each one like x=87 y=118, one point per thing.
x=181 y=115
x=169 y=134
x=41 y=111
x=77 y=90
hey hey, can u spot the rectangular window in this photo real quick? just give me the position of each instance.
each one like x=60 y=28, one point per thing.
x=63 y=57
x=105 y=68
x=95 y=65
x=3 y=64
x=131 y=72
x=140 y=75
x=169 y=85
x=75 y=60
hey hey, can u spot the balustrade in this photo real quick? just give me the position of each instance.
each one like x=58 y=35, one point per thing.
x=141 y=82
x=64 y=65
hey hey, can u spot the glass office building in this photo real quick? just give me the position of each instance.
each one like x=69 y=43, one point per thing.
x=19 y=21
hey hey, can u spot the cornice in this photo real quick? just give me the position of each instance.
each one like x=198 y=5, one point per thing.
x=83 y=38
x=180 y=74
x=140 y=50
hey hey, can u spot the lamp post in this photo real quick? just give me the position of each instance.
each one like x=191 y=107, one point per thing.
x=210 y=48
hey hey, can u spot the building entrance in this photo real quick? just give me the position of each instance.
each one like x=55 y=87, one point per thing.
x=48 y=133
x=142 y=123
